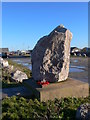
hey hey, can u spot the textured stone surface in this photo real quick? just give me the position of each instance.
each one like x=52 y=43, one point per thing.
x=1 y=60
x=51 y=56
x=5 y=63
x=83 y=112
x=19 y=76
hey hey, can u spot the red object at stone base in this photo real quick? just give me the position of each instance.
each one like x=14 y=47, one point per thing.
x=43 y=83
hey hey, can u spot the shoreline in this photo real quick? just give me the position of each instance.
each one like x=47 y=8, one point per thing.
x=19 y=56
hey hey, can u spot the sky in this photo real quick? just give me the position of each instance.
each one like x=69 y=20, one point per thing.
x=23 y=24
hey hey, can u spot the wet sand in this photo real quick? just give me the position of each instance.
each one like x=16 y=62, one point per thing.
x=82 y=64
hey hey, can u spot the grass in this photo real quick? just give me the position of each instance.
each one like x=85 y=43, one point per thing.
x=6 y=80
x=17 y=108
x=21 y=68
x=6 y=75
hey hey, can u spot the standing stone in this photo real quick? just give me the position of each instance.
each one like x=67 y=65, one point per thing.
x=51 y=56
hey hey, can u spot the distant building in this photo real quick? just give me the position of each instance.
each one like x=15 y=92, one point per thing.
x=84 y=55
x=75 y=50
x=29 y=51
x=85 y=50
x=75 y=54
x=79 y=54
x=18 y=52
x=12 y=52
x=23 y=52
x=4 y=52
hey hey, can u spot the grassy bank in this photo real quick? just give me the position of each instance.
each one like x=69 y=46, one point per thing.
x=6 y=75
x=17 y=108
x=21 y=68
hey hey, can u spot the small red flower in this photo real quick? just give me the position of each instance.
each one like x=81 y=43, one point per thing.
x=42 y=83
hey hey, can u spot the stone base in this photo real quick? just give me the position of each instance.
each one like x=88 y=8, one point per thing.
x=68 y=88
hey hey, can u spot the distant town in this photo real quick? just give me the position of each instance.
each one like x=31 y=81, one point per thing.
x=4 y=52
x=85 y=52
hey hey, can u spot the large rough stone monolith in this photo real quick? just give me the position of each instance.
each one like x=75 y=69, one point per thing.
x=51 y=56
